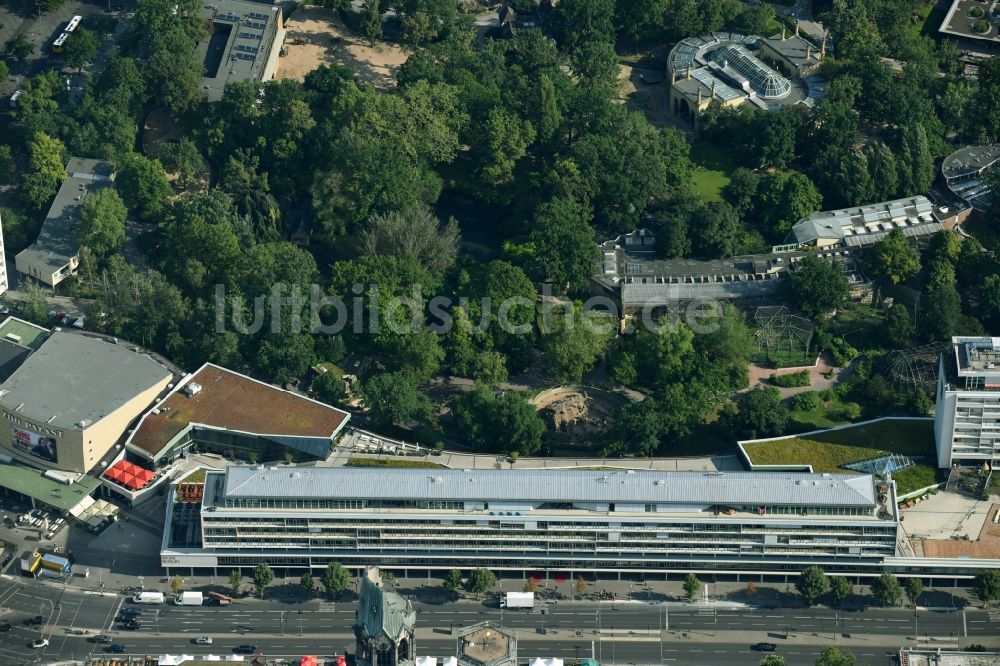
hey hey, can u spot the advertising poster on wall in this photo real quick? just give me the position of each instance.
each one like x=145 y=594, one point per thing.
x=40 y=446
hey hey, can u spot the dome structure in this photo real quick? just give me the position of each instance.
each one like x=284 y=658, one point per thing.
x=764 y=80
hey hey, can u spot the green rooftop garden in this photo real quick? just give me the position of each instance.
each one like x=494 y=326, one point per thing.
x=828 y=451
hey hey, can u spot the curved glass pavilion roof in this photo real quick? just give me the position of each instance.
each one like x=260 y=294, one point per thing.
x=767 y=82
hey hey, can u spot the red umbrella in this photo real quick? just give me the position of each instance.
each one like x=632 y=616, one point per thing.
x=308 y=660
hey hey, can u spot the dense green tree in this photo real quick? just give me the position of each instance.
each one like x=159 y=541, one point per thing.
x=886 y=590
x=371 y=21
x=81 y=47
x=840 y=589
x=262 y=577
x=719 y=232
x=393 y=398
x=941 y=316
x=782 y=199
x=691 y=587
x=894 y=258
x=899 y=326
x=777 y=138
x=916 y=163
x=235 y=578
x=18 y=47
x=578 y=340
x=102 y=223
x=884 y=171
x=760 y=413
x=987 y=586
x=416 y=233
x=638 y=428
x=812 y=583
x=307 y=583
x=581 y=22
x=834 y=656
x=183 y=158
x=564 y=241
x=6 y=163
x=817 y=286
x=504 y=423
x=507 y=138
x=143 y=185
x=425 y=20
x=480 y=580
x=329 y=388
x=453 y=582
x=335 y=579
x=914 y=588
x=741 y=190
x=47 y=158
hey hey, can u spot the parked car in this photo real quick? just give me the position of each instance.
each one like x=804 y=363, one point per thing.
x=245 y=649
x=40 y=643
x=131 y=625
x=34 y=621
x=5 y=627
x=203 y=640
x=4 y=309
x=764 y=647
x=117 y=648
x=103 y=639
x=13 y=98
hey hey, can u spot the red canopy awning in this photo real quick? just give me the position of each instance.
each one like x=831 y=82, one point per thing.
x=308 y=660
x=130 y=475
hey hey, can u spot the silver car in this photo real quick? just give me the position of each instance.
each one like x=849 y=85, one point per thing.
x=203 y=640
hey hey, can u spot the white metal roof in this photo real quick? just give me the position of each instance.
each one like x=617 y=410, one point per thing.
x=539 y=485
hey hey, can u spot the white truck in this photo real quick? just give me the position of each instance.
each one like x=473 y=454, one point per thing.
x=148 y=598
x=517 y=600
x=189 y=599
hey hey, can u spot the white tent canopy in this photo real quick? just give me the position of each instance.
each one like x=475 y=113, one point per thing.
x=538 y=661
x=451 y=661
x=427 y=661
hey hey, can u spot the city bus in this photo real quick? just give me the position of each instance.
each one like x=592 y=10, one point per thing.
x=57 y=46
x=73 y=22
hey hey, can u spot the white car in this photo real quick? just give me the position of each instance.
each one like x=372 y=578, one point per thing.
x=203 y=640
x=40 y=643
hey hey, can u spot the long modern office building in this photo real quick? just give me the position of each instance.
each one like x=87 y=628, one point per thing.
x=520 y=521
x=967 y=415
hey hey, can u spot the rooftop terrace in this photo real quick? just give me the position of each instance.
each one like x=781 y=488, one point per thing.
x=227 y=400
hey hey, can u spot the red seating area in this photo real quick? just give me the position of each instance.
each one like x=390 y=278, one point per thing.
x=130 y=475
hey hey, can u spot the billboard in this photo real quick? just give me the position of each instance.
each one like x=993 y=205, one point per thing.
x=40 y=446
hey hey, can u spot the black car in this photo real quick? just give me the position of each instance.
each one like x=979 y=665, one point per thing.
x=764 y=647
x=117 y=648
x=245 y=649
x=103 y=639
x=130 y=626
x=5 y=627
x=35 y=621
x=130 y=612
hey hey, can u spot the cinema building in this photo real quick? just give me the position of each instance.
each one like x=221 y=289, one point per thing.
x=516 y=521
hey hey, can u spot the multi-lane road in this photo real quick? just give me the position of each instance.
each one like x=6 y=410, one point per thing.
x=624 y=633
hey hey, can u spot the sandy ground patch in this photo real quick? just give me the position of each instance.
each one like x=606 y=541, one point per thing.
x=649 y=98
x=317 y=36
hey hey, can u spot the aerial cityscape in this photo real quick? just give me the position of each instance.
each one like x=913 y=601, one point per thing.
x=499 y=333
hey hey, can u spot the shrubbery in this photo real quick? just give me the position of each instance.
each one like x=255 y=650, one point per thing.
x=794 y=379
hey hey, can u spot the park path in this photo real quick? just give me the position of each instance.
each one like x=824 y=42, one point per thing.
x=817 y=375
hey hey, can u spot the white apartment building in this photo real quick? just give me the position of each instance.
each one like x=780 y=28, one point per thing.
x=520 y=521
x=967 y=416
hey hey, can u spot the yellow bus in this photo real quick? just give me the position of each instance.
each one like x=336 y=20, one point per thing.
x=57 y=46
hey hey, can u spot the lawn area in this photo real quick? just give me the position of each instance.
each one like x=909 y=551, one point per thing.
x=914 y=478
x=785 y=358
x=826 y=416
x=931 y=17
x=828 y=451
x=393 y=462
x=712 y=168
x=197 y=476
